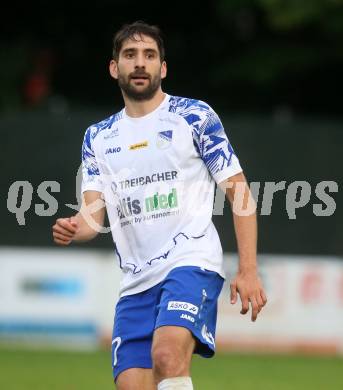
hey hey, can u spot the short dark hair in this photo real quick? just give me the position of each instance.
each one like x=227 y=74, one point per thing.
x=128 y=31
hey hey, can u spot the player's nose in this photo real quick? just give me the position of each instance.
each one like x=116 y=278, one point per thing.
x=140 y=61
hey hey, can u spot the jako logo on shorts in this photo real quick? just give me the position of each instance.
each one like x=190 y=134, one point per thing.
x=187 y=317
x=184 y=306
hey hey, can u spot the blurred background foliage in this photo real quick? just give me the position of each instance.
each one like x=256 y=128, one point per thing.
x=240 y=54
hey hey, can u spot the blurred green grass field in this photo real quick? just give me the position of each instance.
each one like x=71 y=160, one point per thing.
x=47 y=369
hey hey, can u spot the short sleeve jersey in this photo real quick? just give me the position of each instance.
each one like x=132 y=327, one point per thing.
x=157 y=174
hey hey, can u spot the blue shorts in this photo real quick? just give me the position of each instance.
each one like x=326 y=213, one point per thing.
x=187 y=297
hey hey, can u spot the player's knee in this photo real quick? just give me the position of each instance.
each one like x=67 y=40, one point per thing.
x=128 y=380
x=168 y=361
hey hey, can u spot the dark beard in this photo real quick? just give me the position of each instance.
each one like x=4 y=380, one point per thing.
x=146 y=94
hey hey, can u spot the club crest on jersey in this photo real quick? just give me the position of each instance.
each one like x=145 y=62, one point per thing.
x=164 y=139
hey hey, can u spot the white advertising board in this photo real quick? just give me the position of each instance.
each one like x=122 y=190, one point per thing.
x=56 y=295
x=304 y=310
x=67 y=297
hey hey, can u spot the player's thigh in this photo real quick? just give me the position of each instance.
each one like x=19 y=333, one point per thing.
x=136 y=379
x=172 y=351
x=174 y=338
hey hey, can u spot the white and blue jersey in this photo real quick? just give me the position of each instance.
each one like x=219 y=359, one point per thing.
x=158 y=174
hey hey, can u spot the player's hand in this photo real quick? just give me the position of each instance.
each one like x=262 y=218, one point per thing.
x=249 y=287
x=64 y=230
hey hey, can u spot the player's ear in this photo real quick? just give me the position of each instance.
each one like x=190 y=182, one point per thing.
x=163 y=70
x=113 y=68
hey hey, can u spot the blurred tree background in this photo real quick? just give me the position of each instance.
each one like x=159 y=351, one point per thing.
x=241 y=54
x=272 y=69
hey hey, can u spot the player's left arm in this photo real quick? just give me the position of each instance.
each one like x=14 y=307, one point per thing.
x=247 y=282
x=221 y=161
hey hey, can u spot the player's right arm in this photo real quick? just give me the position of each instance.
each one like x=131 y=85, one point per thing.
x=83 y=226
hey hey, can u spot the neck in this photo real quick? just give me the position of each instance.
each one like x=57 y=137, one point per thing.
x=136 y=109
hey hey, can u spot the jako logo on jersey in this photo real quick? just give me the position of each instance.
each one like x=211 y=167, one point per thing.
x=139 y=145
x=113 y=150
x=187 y=317
x=164 y=139
x=184 y=306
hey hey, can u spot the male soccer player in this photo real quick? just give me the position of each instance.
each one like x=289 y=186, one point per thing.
x=153 y=166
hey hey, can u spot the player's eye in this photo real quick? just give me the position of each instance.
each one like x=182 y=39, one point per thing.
x=150 y=56
x=129 y=55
